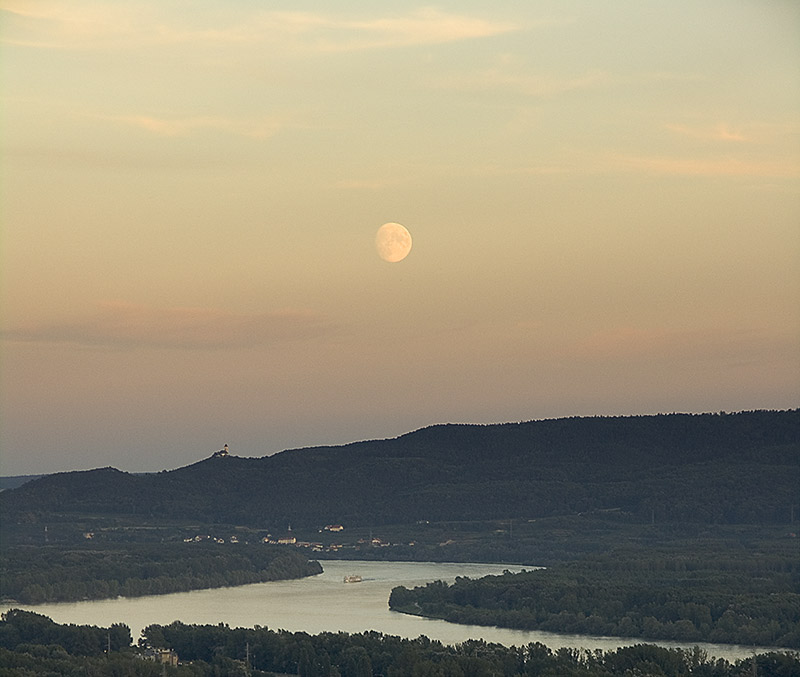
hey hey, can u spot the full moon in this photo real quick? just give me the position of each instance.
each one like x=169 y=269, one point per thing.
x=393 y=242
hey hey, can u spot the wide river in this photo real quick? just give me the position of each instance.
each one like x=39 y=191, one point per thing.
x=326 y=603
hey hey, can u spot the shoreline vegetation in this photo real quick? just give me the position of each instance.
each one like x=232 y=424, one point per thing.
x=36 y=575
x=719 y=597
x=731 y=585
x=32 y=644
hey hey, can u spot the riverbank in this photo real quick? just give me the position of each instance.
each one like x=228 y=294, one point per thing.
x=34 y=644
x=653 y=595
x=715 y=583
x=36 y=575
x=324 y=604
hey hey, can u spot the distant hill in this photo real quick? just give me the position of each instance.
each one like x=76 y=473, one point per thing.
x=711 y=468
x=14 y=481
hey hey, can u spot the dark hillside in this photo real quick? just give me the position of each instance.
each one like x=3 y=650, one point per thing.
x=713 y=468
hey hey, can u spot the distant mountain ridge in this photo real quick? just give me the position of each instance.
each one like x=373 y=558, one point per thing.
x=14 y=481
x=723 y=468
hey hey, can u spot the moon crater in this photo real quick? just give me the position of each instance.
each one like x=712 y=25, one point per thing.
x=393 y=242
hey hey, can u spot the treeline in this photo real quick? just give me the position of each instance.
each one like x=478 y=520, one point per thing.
x=31 y=644
x=717 y=597
x=23 y=628
x=32 y=575
x=372 y=653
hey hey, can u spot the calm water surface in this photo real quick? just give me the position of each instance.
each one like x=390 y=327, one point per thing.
x=325 y=603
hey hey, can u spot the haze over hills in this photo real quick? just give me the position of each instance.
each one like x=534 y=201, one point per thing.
x=14 y=481
x=712 y=468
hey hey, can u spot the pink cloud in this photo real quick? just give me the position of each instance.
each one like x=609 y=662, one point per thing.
x=696 y=166
x=647 y=344
x=255 y=128
x=88 y=25
x=720 y=132
x=130 y=326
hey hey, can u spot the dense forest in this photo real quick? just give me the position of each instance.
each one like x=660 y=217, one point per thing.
x=707 y=468
x=52 y=574
x=31 y=644
x=724 y=597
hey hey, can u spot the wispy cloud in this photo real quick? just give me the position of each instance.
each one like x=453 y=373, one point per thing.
x=125 y=325
x=586 y=163
x=703 y=166
x=781 y=133
x=720 y=132
x=646 y=344
x=80 y=25
x=90 y=25
x=426 y=172
x=261 y=128
x=533 y=85
x=520 y=170
x=424 y=26
x=508 y=73
x=369 y=184
x=630 y=342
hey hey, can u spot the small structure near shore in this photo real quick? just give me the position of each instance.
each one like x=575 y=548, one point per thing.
x=161 y=656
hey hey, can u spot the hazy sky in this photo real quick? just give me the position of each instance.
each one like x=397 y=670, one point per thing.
x=604 y=200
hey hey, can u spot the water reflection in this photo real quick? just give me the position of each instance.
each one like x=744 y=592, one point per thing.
x=325 y=603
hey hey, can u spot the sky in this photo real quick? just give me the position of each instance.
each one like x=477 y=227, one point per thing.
x=604 y=201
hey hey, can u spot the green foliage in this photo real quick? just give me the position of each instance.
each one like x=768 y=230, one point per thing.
x=373 y=653
x=33 y=645
x=742 y=598
x=33 y=575
x=24 y=628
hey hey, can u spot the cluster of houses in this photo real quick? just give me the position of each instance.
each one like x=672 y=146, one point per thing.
x=290 y=539
x=161 y=656
x=214 y=539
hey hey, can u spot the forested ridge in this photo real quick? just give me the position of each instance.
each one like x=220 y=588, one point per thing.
x=31 y=644
x=54 y=574
x=707 y=468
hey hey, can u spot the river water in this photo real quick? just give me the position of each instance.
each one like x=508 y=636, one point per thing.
x=325 y=603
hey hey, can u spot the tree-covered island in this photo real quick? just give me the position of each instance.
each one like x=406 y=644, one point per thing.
x=665 y=594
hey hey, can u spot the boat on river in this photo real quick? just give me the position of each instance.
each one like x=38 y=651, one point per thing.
x=353 y=578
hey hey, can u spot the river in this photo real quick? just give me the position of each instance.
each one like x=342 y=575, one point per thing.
x=326 y=603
